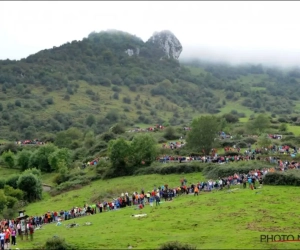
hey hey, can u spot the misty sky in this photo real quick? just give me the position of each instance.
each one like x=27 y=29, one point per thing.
x=259 y=32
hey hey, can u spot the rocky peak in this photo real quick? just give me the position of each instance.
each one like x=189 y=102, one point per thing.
x=168 y=42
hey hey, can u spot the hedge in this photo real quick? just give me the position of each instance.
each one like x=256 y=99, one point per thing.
x=214 y=171
x=290 y=177
x=172 y=168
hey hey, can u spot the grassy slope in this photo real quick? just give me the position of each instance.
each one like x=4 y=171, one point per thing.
x=80 y=104
x=210 y=221
x=106 y=188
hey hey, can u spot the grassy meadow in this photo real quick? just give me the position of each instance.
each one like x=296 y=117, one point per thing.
x=217 y=220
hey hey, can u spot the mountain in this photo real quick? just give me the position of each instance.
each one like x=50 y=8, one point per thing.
x=166 y=43
x=112 y=76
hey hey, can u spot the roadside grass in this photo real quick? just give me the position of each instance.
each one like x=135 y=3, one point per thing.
x=217 y=220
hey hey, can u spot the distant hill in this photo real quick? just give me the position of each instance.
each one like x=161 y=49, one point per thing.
x=113 y=76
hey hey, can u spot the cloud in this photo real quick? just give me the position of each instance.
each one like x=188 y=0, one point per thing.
x=266 y=56
x=258 y=31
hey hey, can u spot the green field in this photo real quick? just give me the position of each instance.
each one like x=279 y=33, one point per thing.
x=223 y=219
x=294 y=129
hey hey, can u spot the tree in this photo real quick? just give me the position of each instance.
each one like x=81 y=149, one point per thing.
x=60 y=158
x=3 y=200
x=23 y=159
x=170 y=133
x=259 y=124
x=89 y=139
x=283 y=127
x=39 y=158
x=34 y=171
x=143 y=150
x=264 y=141
x=31 y=186
x=231 y=118
x=90 y=120
x=13 y=192
x=65 y=139
x=119 y=152
x=118 y=128
x=202 y=135
x=12 y=180
x=9 y=158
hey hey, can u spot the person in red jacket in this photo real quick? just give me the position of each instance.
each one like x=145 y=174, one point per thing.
x=7 y=237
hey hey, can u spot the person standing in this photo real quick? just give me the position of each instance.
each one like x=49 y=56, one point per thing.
x=7 y=237
x=2 y=239
x=31 y=231
x=13 y=237
x=196 y=191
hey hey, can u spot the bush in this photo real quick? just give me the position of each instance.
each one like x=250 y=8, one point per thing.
x=102 y=166
x=162 y=140
x=171 y=168
x=170 y=134
x=290 y=177
x=242 y=144
x=12 y=181
x=2 y=183
x=227 y=143
x=11 y=201
x=74 y=181
x=57 y=243
x=176 y=246
x=250 y=140
x=214 y=171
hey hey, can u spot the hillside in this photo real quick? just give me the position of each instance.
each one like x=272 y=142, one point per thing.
x=188 y=219
x=113 y=76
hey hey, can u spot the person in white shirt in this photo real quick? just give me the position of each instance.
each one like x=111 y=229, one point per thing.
x=2 y=238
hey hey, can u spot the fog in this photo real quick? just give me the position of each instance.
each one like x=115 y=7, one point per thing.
x=236 y=32
x=269 y=57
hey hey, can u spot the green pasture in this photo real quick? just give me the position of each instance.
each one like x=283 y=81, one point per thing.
x=233 y=219
x=236 y=106
x=294 y=129
x=6 y=172
x=103 y=189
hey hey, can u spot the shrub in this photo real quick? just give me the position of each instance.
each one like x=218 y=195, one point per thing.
x=102 y=166
x=162 y=140
x=250 y=140
x=57 y=243
x=12 y=181
x=49 y=101
x=2 y=183
x=9 y=158
x=176 y=246
x=74 y=181
x=227 y=143
x=215 y=171
x=171 y=168
x=11 y=201
x=290 y=177
x=170 y=134
x=242 y=144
